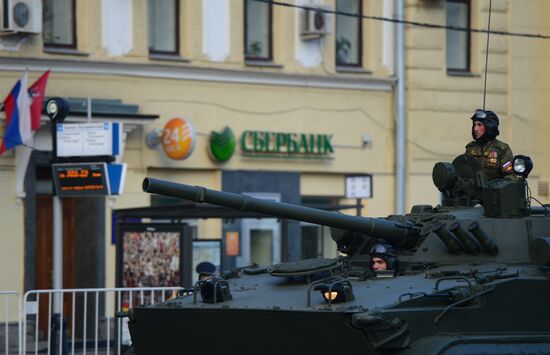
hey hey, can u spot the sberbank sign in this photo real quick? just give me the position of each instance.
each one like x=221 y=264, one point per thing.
x=282 y=144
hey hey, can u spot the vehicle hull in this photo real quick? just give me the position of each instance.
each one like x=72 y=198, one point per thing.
x=238 y=331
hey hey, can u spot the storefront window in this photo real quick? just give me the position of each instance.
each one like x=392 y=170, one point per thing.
x=257 y=31
x=59 y=23
x=163 y=26
x=348 y=33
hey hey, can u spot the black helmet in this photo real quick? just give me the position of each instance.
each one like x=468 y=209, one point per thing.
x=490 y=120
x=387 y=253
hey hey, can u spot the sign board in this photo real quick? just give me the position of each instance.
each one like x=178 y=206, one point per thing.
x=178 y=138
x=359 y=186
x=80 y=179
x=88 y=139
x=88 y=179
x=286 y=145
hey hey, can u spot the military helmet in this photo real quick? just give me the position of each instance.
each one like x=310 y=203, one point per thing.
x=490 y=120
x=387 y=253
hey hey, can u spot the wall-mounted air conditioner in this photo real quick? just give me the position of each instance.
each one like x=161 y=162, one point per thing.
x=315 y=23
x=21 y=16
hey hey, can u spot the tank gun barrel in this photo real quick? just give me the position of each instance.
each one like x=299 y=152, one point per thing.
x=398 y=234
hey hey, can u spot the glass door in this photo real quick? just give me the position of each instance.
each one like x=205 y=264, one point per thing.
x=260 y=238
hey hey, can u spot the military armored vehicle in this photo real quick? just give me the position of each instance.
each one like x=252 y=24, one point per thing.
x=473 y=278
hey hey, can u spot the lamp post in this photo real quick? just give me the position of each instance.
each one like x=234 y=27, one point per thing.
x=57 y=109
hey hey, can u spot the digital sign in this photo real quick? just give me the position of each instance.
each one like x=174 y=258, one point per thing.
x=80 y=179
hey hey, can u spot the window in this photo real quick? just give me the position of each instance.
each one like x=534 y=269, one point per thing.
x=458 y=42
x=59 y=23
x=257 y=31
x=348 y=37
x=163 y=26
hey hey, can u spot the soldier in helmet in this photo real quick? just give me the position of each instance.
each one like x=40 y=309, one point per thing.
x=494 y=156
x=384 y=258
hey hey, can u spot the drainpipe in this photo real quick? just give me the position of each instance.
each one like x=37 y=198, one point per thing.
x=401 y=118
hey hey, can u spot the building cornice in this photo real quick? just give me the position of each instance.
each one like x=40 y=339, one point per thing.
x=186 y=72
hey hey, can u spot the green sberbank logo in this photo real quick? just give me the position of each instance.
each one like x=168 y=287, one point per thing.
x=222 y=145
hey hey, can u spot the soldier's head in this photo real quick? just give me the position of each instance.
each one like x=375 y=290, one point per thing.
x=484 y=126
x=384 y=257
x=206 y=270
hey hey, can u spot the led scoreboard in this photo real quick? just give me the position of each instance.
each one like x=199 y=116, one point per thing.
x=80 y=179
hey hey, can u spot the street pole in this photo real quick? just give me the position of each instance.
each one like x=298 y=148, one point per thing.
x=57 y=251
x=401 y=119
x=57 y=109
x=57 y=232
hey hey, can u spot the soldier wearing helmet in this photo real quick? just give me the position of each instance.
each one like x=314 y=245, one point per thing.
x=494 y=156
x=384 y=258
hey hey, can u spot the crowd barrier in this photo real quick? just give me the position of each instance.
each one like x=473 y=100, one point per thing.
x=73 y=321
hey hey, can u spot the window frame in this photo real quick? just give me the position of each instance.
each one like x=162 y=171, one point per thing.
x=74 y=44
x=269 y=58
x=468 y=68
x=176 y=51
x=359 y=64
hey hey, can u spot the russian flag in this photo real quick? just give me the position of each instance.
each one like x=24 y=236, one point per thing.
x=18 y=116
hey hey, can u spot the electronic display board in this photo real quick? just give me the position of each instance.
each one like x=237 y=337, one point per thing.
x=80 y=179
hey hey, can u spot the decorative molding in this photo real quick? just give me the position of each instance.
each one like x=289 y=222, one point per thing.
x=183 y=72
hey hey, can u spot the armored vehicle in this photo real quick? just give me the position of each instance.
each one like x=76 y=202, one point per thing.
x=473 y=278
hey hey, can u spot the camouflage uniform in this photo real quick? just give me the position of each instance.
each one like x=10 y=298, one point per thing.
x=495 y=158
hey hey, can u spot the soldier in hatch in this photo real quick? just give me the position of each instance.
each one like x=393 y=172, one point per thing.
x=384 y=258
x=494 y=156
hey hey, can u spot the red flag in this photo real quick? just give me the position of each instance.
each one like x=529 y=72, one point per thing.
x=37 y=91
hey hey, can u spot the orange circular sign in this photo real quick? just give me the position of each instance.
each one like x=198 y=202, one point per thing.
x=178 y=138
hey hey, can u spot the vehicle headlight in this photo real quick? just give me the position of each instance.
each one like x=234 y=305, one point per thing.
x=522 y=165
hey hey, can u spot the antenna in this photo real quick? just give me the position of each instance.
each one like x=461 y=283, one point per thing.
x=487 y=55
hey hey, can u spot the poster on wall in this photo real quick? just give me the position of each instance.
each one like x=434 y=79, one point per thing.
x=151 y=256
x=206 y=250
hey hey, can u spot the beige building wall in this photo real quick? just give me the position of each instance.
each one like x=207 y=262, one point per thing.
x=11 y=242
x=530 y=91
x=439 y=105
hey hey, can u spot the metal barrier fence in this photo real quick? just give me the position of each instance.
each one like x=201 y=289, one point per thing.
x=10 y=340
x=81 y=321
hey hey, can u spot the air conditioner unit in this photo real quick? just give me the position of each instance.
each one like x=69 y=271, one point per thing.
x=21 y=16
x=315 y=23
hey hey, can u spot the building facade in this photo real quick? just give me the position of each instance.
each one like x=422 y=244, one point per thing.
x=307 y=107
